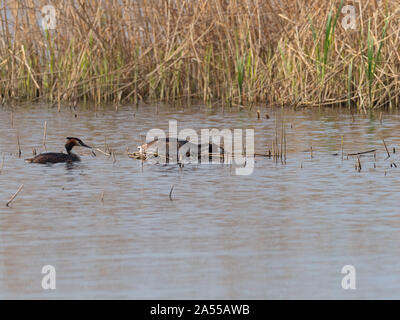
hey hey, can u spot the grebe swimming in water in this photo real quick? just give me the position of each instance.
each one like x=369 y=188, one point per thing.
x=185 y=148
x=55 y=157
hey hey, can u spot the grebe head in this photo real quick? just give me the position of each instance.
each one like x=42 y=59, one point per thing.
x=72 y=142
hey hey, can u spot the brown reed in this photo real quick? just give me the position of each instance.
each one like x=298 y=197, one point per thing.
x=233 y=52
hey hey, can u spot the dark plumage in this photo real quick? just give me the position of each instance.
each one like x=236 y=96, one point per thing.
x=55 y=157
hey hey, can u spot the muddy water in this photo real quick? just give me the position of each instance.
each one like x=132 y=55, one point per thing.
x=109 y=228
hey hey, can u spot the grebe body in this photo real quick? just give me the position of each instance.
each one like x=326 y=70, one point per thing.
x=184 y=148
x=56 y=157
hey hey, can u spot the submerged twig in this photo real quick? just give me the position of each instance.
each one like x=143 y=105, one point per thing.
x=15 y=194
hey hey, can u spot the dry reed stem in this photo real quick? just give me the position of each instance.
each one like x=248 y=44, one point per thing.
x=387 y=151
x=14 y=196
x=103 y=152
x=358 y=164
x=361 y=153
x=44 y=134
x=19 y=147
x=170 y=193
x=2 y=164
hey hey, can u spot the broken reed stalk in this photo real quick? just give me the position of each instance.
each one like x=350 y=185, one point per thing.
x=276 y=141
x=386 y=148
x=105 y=153
x=19 y=148
x=58 y=102
x=273 y=149
x=278 y=149
x=282 y=137
x=358 y=164
x=361 y=153
x=284 y=141
x=2 y=165
x=44 y=135
x=14 y=196
x=341 y=143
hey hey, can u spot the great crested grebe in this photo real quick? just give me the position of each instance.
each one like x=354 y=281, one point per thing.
x=152 y=146
x=55 y=157
x=184 y=147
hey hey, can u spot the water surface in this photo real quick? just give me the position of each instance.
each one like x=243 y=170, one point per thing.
x=285 y=231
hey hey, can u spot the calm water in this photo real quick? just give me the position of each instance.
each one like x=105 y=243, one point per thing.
x=285 y=231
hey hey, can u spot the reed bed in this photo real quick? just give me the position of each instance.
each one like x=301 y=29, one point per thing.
x=292 y=53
